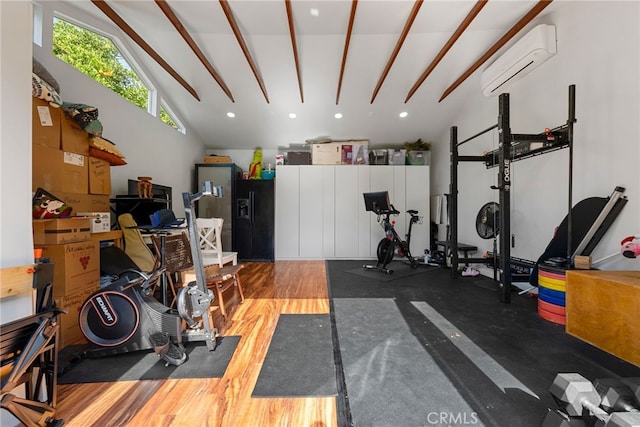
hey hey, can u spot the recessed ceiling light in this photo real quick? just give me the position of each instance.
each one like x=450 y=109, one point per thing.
x=292 y=115
x=314 y=11
x=338 y=115
x=230 y=114
x=404 y=114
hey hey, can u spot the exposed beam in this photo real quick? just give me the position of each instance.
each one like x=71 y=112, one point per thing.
x=294 y=45
x=352 y=17
x=236 y=31
x=452 y=40
x=111 y=14
x=396 y=50
x=535 y=10
x=162 y=4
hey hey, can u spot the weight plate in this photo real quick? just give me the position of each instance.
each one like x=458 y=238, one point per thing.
x=552 y=285
x=551 y=308
x=551 y=275
x=552 y=317
x=552 y=297
x=552 y=269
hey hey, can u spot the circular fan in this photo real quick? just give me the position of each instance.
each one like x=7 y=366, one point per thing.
x=488 y=220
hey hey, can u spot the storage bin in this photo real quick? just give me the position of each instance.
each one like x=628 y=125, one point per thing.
x=378 y=157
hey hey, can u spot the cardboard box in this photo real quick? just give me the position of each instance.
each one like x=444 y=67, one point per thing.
x=45 y=123
x=77 y=266
x=99 y=176
x=70 y=332
x=85 y=202
x=46 y=170
x=57 y=231
x=100 y=221
x=59 y=171
x=397 y=156
x=73 y=138
x=298 y=158
x=217 y=159
x=75 y=173
x=329 y=153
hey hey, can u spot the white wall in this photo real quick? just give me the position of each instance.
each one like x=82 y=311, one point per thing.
x=598 y=51
x=151 y=147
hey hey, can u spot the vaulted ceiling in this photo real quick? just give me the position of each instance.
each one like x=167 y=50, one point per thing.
x=369 y=60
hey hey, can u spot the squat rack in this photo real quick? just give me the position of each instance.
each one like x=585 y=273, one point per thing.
x=511 y=147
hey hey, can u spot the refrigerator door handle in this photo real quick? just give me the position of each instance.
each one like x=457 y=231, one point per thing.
x=253 y=206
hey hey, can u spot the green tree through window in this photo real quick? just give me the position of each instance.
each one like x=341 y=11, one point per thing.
x=97 y=57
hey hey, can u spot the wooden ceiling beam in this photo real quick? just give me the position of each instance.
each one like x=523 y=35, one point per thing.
x=111 y=14
x=396 y=50
x=347 y=41
x=535 y=10
x=236 y=31
x=171 y=16
x=452 y=40
x=294 y=46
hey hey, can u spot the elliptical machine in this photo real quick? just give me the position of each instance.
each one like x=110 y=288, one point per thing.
x=124 y=316
x=378 y=203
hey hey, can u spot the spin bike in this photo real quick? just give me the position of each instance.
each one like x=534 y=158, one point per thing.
x=392 y=242
x=124 y=316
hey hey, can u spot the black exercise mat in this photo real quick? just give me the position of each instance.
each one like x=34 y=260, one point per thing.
x=145 y=365
x=299 y=362
x=400 y=269
x=429 y=346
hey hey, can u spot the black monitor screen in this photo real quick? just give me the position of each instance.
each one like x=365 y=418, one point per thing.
x=376 y=201
x=158 y=191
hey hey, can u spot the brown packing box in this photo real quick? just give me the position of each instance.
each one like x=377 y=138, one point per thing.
x=217 y=159
x=46 y=171
x=73 y=138
x=329 y=153
x=85 y=202
x=45 y=124
x=99 y=176
x=77 y=266
x=61 y=230
x=59 y=171
x=70 y=332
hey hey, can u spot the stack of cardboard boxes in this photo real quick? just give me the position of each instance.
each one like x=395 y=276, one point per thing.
x=63 y=167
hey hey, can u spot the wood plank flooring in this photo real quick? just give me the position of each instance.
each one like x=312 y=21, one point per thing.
x=290 y=287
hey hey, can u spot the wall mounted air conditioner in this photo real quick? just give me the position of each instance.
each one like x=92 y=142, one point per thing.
x=524 y=56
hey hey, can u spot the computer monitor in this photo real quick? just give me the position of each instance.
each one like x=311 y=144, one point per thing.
x=158 y=191
x=377 y=201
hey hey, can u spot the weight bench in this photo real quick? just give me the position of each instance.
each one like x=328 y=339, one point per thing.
x=462 y=247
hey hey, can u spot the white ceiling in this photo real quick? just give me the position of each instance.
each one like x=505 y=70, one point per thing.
x=320 y=40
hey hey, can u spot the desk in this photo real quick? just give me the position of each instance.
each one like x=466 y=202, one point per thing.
x=602 y=309
x=114 y=235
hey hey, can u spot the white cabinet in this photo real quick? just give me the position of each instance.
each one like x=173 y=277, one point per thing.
x=320 y=210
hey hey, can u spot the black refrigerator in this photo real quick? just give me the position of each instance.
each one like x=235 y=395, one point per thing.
x=254 y=220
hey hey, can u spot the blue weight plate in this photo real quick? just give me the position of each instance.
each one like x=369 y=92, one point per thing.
x=551 y=296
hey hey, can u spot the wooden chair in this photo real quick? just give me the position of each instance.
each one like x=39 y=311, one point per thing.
x=178 y=261
x=210 y=234
x=176 y=258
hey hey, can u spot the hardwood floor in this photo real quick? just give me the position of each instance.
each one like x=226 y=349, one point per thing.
x=270 y=289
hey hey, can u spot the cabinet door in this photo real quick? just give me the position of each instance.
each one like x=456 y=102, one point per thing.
x=349 y=207
x=287 y=212
x=417 y=197
x=328 y=212
x=311 y=211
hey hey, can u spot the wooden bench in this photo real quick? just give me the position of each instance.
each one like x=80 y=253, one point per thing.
x=603 y=309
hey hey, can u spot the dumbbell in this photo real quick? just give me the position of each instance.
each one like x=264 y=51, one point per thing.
x=634 y=384
x=616 y=396
x=576 y=394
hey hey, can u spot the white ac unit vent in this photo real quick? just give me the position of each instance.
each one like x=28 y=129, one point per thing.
x=524 y=56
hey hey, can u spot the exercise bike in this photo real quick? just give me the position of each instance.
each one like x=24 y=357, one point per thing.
x=378 y=203
x=124 y=316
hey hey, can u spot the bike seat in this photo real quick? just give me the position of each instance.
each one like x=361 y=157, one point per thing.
x=412 y=212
